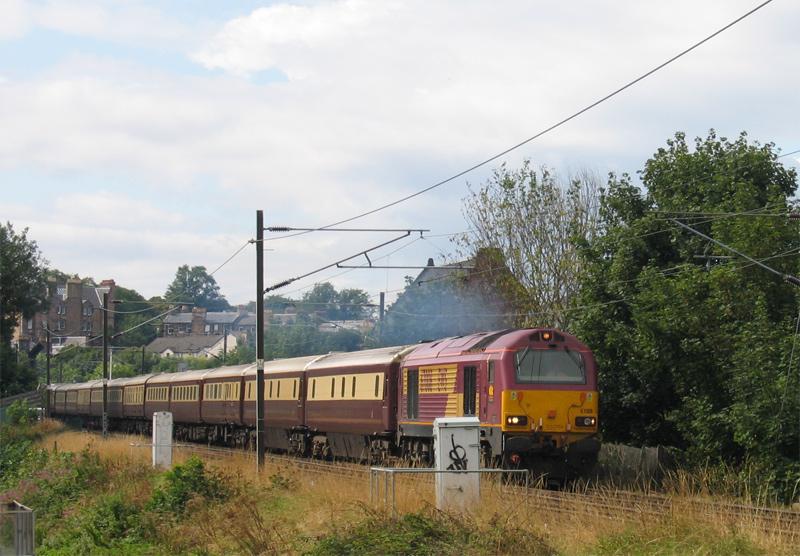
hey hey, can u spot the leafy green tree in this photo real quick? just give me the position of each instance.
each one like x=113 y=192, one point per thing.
x=534 y=218
x=320 y=299
x=324 y=300
x=197 y=286
x=23 y=292
x=352 y=304
x=695 y=347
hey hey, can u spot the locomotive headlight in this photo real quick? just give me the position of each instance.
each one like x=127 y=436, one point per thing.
x=585 y=421
x=516 y=420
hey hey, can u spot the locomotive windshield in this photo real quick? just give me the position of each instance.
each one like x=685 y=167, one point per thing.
x=549 y=366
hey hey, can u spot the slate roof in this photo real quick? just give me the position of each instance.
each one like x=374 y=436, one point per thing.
x=248 y=320
x=94 y=294
x=178 y=318
x=194 y=343
x=223 y=317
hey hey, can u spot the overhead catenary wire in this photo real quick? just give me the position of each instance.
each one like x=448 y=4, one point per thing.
x=542 y=132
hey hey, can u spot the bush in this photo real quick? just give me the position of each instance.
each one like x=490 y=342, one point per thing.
x=20 y=413
x=184 y=482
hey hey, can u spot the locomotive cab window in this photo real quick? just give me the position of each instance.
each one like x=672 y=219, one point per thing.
x=412 y=399
x=549 y=366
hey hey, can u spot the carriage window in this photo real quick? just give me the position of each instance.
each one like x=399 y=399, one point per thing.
x=270 y=388
x=294 y=389
x=279 y=389
x=314 y=388
x=342 y=393
x=491 y=372
x=353 y=388
x=549 y=366
x=377 y=383
x=333 y=386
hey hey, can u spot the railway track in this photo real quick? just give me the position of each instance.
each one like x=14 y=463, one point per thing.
x=616 y=505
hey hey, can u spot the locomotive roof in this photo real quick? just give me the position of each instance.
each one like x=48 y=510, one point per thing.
x=480 y=342
x=379 y=356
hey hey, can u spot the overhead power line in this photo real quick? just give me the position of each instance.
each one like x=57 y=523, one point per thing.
x=542 y=132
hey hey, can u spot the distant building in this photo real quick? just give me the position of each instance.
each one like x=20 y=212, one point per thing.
x=241 y=322
x=75 y=316
x=193 y=345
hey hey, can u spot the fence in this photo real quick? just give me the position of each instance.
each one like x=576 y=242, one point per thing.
x=390 y=474
x=17 y=530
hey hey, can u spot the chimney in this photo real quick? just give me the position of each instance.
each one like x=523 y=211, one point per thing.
x=198 y=320
x=74 y=288
x=430 y=261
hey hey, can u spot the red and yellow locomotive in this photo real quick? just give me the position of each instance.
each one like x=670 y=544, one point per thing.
x=534 y=391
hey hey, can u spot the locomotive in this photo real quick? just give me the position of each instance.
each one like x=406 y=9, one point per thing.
x=533 y=390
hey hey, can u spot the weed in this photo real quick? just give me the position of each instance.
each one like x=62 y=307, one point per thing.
x=674 y=538
x=427 y=533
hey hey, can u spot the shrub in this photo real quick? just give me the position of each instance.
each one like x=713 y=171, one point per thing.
x=184 y=482
x=20 y=413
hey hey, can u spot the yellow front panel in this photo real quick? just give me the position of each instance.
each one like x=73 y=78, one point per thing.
x=549 y=410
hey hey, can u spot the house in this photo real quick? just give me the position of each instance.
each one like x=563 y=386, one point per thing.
x=75 y=316
x=193 y=345
x=200 y=321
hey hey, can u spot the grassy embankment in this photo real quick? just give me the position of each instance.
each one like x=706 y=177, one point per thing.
x=101 y=497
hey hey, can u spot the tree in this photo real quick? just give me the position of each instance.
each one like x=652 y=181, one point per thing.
x=533 y=218
x=197 y=286
x=347 y=304
x=133 y=310
x=353 y=304
x=695 y=348
x=23 y=292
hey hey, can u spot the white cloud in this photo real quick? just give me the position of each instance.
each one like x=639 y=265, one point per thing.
x=259 y=40
x=14 y=19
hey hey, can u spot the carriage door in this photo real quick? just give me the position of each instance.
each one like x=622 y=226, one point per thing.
x=412 y=393
x=470 y=390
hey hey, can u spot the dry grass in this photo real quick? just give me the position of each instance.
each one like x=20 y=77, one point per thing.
x=296 y=500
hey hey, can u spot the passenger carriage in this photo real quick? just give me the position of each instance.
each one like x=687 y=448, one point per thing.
x=351 y=401
x=284 y=427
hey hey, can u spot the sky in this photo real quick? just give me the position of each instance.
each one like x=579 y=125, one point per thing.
x=136 y=137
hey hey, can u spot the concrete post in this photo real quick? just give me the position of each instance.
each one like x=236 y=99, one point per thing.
x=162 y=439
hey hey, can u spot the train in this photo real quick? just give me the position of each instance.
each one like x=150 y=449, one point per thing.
x=534 y=391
